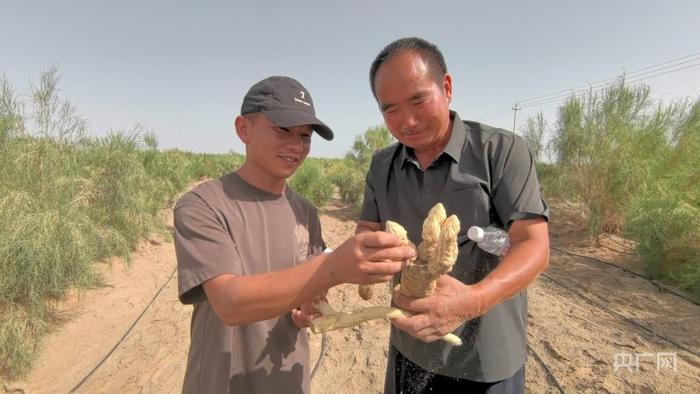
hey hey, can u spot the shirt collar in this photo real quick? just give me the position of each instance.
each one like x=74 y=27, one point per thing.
x=453 y=148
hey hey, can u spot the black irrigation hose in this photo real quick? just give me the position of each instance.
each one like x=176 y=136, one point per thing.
x=324 y=339
x=617 y=314
x=546 y=369
x=324 y=346
x=658 y=285
x=77 y=386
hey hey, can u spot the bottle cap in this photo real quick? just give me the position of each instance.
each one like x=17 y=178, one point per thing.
x=475 y=233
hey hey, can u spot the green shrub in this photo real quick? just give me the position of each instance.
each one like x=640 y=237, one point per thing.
x=668 y=232
x=20 y=331
x=664 y=216
x=310 y=181
x=366 y=144
x=609 y=145
x=68 y=198
x=203 y=165
x=349 y=174
x=350 y=182
x=553 y=181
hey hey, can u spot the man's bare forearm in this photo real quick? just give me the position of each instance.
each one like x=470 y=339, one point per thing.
x=365 y=258
x=250 y=298
x=527 y=258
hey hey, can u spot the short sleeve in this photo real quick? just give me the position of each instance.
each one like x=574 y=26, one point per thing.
x=516 y=194
x=369 y=211
x=203 y=247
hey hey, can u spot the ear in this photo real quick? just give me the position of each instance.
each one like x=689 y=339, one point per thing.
x=243 y=128
x=447 y=86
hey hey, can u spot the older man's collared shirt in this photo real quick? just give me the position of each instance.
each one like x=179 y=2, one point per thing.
x=486 y=176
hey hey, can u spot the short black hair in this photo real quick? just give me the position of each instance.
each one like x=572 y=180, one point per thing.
x=429 y=52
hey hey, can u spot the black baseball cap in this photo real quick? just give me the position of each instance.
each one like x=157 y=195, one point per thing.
x=286 y=103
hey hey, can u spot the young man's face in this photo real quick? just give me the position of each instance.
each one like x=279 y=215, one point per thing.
x=274 y=150
x=414 y=106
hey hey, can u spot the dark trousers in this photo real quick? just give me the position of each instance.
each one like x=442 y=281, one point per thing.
x=405 y=377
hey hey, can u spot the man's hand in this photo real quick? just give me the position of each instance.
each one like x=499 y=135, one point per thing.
x=452 y=304
x=303 y=314
x=369 y=257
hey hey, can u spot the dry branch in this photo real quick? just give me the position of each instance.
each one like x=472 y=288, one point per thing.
x=332 y=320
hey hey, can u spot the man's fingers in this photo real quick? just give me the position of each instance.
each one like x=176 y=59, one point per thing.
x=411 y=304
x=430 y=338
x=412 y=324
x=397 y=253
x=302 y=318
x=418 y=326
x=312 y=316
x=383 y=267
x=404 y=323
x=378 y=239
x=298 y=319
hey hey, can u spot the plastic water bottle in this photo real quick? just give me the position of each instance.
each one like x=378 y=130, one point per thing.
x=491 y=239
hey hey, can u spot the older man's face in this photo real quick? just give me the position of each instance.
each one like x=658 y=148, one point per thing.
x=414 y=106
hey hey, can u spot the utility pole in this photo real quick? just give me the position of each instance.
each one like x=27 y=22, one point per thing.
x=515 y=112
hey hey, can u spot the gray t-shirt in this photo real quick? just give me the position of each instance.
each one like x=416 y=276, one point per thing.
x=484 y=176
x=228 y=226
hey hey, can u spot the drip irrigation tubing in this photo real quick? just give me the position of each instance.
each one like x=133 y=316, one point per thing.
x=619 y=315
x=658 y=285
x=324 y=339
x=324 y=347
x=77 y=386
x=546 y=369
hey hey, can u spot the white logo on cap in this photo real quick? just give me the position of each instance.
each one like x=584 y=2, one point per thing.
x=301 y=100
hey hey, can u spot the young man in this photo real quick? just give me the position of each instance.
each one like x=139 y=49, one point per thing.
x=249 y=254
x=484 y=176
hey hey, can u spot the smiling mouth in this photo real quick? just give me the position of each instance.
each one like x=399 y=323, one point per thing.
x=411 y=133
x=290 y=159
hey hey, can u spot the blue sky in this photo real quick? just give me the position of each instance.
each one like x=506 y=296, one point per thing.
x=181 y=68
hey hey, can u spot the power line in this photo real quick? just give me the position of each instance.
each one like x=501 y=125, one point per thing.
x=631 y=75
x=562 y=97
x=626 y=79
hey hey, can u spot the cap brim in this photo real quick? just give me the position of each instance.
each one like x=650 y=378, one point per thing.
x=289 y=118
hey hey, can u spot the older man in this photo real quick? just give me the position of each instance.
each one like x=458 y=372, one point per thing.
x=483 y=175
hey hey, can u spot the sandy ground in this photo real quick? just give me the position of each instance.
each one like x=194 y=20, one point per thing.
x=570 y=330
